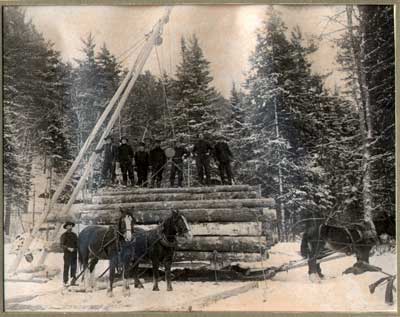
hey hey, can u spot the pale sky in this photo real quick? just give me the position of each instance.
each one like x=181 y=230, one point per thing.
x=227 y=33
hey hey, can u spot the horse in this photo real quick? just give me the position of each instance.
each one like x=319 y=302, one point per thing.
x=158 y=245
x=114 y=243
x=354 y=238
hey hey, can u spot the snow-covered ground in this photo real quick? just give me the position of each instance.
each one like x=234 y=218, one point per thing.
x=287 y=291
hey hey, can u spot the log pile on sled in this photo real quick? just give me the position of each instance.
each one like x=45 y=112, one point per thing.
x=226 y=220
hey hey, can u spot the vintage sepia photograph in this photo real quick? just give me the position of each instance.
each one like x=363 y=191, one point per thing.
x=197 y=158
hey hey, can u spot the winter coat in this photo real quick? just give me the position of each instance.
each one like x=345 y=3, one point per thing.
x=202 y=148
x=180 y=152
x=157 y=157
x=142 y=159
x=110 y=152
x=125 y=153
x=69 y=239
x=222 y=152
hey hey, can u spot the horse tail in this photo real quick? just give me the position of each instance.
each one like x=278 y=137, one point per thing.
x=304 y=251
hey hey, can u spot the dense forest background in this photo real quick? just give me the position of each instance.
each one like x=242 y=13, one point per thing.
x=316 y=151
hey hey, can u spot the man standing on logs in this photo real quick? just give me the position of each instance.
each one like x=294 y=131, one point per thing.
x=224 y=156
x=202 y=151
x=142 y=165
x=109 y=161
x=177 y=163
x=125 y=158
x=158 y=160
x=69 y=244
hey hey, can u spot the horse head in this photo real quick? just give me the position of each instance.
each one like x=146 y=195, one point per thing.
x=126 y=224
x=180 y=224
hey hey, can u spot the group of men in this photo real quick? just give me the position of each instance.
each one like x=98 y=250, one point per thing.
x=156 y=159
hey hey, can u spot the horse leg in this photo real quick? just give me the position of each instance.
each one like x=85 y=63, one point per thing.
x=125 y=289
x=167 y=265
x=92 y=267
x=362 y=253
x=314 y=269
x=319 y=272
x=155 y=275
x=112 y=275
x=138 y=284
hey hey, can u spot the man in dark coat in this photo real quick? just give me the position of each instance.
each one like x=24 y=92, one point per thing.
x=158 y=159
x=223 y=155
x=125 y=158
x=177 y=164
x=142 y=165
x=69 y=244
x=202 y=151
x=110 y=156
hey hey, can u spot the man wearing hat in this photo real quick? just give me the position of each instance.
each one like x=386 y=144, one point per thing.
x=177 y=163
x=110 y=156
x=69 y=244
x=125 y=158
x=202 y=151
x=142 y=164
x=224 y=156
x=158 y=159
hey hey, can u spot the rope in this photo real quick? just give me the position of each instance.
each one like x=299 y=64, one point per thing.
x=132 y=48
x=165 y=93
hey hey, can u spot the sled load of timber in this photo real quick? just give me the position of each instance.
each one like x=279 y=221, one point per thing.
x=226 y=220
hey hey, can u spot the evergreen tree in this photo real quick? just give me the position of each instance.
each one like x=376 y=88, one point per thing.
x=194 y=98
x=34 y=98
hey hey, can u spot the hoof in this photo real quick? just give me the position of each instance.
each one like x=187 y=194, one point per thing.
x=169 y=289
x=139 y=285
x=314 y=278
x=110 y=293
x=156 y=289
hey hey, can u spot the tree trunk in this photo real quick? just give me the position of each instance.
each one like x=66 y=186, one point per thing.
x=223 y=244
x=146 y=217
x=189 y=204
x=364 y=113
x=171 y=197
x=193 y=190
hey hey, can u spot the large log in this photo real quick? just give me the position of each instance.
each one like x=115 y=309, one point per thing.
x=223 y=229
x=213 y=189
x=145 y=217
x=223 y=244
x=191 y=204
x=208 y=244
x=219 y=257
x=150 y=197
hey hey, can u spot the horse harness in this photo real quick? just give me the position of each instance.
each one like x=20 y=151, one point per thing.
x=103 y=247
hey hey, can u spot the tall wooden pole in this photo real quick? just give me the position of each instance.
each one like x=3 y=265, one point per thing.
x=125 y=88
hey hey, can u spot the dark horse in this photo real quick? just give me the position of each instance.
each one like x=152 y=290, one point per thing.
x=354 y=238
x=158 y=245
x=114 y=243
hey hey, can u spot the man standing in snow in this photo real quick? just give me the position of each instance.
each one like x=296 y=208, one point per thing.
x=109 y=161
x=142 y=164
x=158 y=159
x=125 y=158
x=69 y=244
x=177 y=164
x=224 y=156
x=202 y=152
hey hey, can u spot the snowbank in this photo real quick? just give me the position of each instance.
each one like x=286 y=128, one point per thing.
x=291 y=291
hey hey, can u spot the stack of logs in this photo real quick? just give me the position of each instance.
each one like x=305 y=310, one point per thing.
x=226 y=220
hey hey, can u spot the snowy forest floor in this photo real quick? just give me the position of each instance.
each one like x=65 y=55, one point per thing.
x=287 y=291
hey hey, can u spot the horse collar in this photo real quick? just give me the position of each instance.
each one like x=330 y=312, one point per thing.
x=165 y=242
